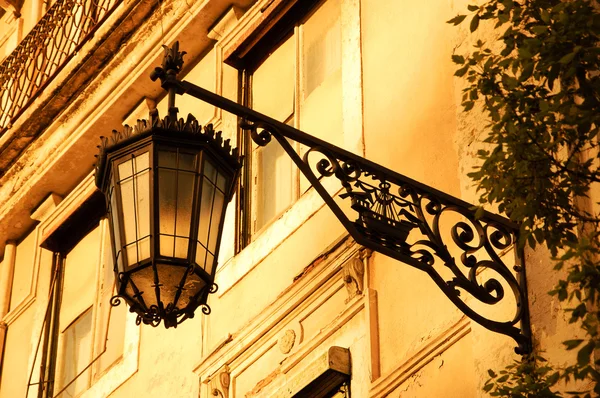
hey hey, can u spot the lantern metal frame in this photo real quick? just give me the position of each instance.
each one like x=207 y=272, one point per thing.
x=152 y=137
x=389 y=207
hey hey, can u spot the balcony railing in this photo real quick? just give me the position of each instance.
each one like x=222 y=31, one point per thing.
x=42 y=54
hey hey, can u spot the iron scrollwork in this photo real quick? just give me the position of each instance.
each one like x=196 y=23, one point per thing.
x=425 y=229
x=261 y=138
x=407 y=220
x=422 y=227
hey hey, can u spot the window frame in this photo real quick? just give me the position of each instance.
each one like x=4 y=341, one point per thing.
x=61 y=228
x=284 y=22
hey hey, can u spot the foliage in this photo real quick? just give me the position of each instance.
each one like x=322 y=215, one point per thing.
x=539 y=85
x=530 y=377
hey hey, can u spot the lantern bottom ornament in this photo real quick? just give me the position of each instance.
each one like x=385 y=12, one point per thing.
x=167 y=183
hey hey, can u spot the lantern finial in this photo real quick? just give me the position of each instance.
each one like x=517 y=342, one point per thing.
x=167 y=73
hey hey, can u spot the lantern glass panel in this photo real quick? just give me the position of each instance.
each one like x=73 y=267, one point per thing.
x=211 y=210
x=134 y=181
x=115 y=225
x=176 y=181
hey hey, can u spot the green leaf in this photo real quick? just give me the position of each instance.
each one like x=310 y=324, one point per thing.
x=583 y=356
x=553 y=378
x=509 y=81
x=472 y=7
x=503 y=378
x=526 y=72
x=539 y=29
x=567 y=255
x=461 y=72
x=571 y=344
x=474 y=23
x=491 y=373
x=458 y=59
x=503 y=18
x=478 y=215
x=457 y=19
x=545 y=16
x=567 y=58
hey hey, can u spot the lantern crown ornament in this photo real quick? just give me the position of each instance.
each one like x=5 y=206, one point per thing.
x=167 y=183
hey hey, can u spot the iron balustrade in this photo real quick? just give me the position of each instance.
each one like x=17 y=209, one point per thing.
x=42 y=54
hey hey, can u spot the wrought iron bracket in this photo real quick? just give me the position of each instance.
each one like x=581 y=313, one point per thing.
x=474 y=259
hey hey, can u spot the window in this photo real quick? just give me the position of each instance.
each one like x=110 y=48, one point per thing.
x=83 y=335
x=341 y=391
x=328 y=376
x=297 y=80
x=85 y=352
x=76 y=355
x=324 y=389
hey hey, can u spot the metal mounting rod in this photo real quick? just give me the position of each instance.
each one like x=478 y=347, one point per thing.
x=400 y=217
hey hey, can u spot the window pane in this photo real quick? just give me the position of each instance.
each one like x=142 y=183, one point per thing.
x=321 y=77
x=112 y=319
x=274 y=81
x=215 y=220
x=167 y=182
x=321 y=48
x=211 y=209
x=134 y=178
x=115 y=234
x=79 y=283
x=274 y=183
x=176 y=178
x=207 y=197
x=76 y=355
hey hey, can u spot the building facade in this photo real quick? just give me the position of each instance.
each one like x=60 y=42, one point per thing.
x=301 y=309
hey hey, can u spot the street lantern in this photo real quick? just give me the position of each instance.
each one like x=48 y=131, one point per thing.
x=167 y=184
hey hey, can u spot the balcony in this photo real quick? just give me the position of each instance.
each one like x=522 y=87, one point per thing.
x=42 y=54
x=61 y=55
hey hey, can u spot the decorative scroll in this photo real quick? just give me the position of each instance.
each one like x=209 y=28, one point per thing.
x=422 y=227
x=152 y=315
x=428 y=230
x=353 y=272
x=39 y=57
x=220 y=383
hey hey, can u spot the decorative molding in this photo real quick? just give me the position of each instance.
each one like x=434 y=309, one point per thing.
x=388 y=383
x=53 y=220
x=250 y=25
x=30 y=297
x=321 y=375
x=225 y=23
x=48 y=205
x=286 y=341
x=6 y=279
x=265 y=329
x=124 y=369
x=372 y=317
x=220 y=383
x=353 y=272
